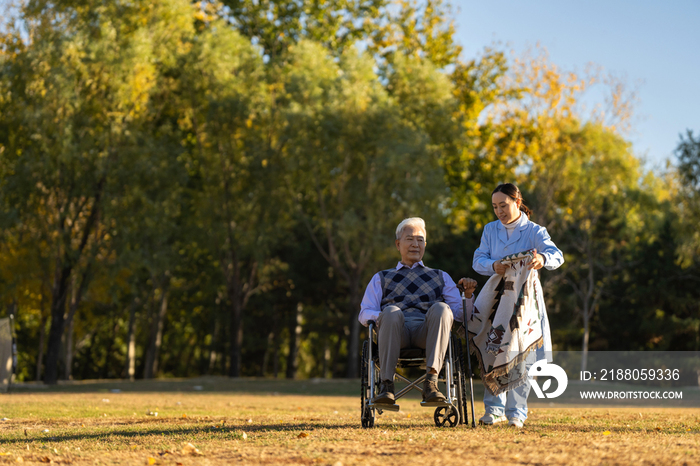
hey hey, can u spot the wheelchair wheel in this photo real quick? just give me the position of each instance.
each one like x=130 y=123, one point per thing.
x=461 y=382
x=367 y=414
x=446 y=416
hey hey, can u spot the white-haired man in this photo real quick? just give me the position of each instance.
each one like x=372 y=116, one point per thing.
x=413 y=306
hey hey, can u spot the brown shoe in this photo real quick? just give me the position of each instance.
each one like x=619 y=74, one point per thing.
x=430 y=390
x=386 y=393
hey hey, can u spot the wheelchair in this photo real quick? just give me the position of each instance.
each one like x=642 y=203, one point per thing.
x=448 y=413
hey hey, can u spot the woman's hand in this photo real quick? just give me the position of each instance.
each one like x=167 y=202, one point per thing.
x=499 y=268
x=468 y=285
x=537 y=262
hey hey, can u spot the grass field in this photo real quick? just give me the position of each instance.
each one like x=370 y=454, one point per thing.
x=314 y=423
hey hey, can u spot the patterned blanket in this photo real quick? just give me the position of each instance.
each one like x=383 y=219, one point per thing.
x=505 y=325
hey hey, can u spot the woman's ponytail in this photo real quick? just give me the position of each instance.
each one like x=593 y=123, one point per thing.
x=525 y=209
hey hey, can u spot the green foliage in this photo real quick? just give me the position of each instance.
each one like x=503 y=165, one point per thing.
x=276 y=25
x=688 y=154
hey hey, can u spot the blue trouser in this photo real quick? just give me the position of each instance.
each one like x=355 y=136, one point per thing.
x=512 y=403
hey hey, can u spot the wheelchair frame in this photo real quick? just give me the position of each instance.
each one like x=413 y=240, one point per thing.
x=450 y=413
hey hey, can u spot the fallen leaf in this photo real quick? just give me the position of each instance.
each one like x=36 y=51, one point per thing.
x=151 y=460
x=189 y=449
x=607 y=432
x=658 y=428
x=408 y=415
x=19 y=459
x=302 y=435
x=2 y=453
x=45 y=459
x=184 y=416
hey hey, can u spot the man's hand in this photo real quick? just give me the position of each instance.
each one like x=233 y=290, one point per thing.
x=499 y=268
x=537 y=262
x=468 y=285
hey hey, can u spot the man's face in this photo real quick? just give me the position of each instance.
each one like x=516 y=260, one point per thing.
x=411 y=245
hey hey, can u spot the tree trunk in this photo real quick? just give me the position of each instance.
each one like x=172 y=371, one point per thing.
x=276 y=357
x=111 y=348
x=42 y=338
x=64 y=267
x=156 y=337
x=586 y=334
x=67 y=369
x=326 y=359
x=58 y=307
x=236 y=337
x=354 y=337
x=131 y=343
x=294 y=337
x=336 y=360
x=212 y=348
x=266 y=357
x=76 y=296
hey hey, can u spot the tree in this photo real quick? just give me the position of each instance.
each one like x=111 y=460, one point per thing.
x=232 y=157
x=356 y=165
x=81 y=86
x=688 y=155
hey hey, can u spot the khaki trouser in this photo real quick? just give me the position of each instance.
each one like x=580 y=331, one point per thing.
x=397 y=330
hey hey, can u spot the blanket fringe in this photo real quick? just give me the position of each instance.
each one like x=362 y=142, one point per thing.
x=488 y=377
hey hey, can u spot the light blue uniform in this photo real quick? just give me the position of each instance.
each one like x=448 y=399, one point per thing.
x=495 y=245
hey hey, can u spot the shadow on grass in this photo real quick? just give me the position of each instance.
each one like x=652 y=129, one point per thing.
x=233 y=433
x=224 y=433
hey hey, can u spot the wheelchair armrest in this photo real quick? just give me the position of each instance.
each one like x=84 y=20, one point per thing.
x=372 y=327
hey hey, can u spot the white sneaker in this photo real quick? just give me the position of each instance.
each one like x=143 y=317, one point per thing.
x=515 y=422
x=490 y=419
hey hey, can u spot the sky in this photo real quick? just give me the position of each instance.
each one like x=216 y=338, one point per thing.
x=653 y=45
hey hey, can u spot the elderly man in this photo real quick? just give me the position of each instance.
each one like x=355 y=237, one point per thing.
x=413 y=306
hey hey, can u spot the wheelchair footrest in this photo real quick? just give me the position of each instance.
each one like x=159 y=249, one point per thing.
x=384 y=406
x=435 y=404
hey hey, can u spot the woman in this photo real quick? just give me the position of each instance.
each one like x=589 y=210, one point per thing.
x=513 y=232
